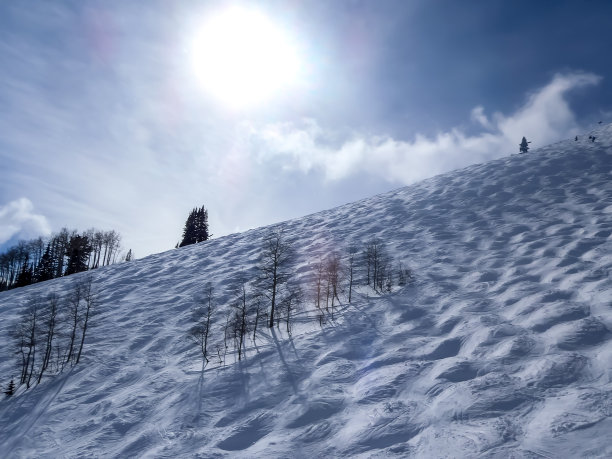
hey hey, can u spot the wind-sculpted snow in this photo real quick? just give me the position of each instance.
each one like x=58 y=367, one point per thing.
x=501 y=347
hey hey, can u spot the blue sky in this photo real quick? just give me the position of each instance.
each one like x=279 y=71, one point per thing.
x=103 y=123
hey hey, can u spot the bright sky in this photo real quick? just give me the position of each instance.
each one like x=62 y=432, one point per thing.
x=126 y=115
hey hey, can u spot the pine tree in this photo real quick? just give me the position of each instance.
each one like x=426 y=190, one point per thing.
x=10 y=389
x=78 y=254
x=189 y=230
x=196 y=227
x=26 y=274
x=45 y=269
x=524 y=146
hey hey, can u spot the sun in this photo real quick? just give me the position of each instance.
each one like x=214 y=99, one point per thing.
x=242 y=58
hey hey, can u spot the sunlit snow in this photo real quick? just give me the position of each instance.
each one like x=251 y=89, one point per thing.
x=501 y=347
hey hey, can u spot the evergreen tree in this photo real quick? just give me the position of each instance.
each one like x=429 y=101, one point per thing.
x=78 y=254
x=524 y=146
x=45 y=269
x=26 y=274
x=10 y=389
x=196 y=227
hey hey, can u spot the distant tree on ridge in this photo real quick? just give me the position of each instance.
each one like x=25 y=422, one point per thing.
x=524 y=146
x=196 y=227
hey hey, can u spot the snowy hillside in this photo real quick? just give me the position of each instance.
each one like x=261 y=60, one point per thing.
x=501 y=346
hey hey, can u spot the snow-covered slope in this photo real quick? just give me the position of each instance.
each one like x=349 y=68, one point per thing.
x=501 y=347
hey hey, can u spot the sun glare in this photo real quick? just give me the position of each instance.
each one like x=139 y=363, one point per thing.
x=242 y=58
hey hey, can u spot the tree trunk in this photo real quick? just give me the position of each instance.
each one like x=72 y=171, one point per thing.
x=274 y=280
x=83 y=335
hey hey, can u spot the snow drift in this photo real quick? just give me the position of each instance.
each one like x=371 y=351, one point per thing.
x=501 y=346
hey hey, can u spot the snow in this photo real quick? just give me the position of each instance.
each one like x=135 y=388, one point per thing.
x=500 y=348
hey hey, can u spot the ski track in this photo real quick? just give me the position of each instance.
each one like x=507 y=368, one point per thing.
x=501 y=347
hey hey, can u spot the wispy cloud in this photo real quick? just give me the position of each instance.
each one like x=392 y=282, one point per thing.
x=544 y=117
x=17 y=218
x=95 y=136
x=106 y=126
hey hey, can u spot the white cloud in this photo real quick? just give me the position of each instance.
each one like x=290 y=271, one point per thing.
x=18 y=217
x=479 y=117
x=543 y=118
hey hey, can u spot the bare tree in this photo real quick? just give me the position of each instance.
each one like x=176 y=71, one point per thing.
x=290 y=303
x=49 y=324
x=404 y=274
x=202 y=318
x=112 y=241
x=377 y=265
x=318 y=282
x=91 y=255
x=227 y=330
x=218 y=349
x=351 y=259
x=240 y=316
x=333 y=270
x=89 y=297
x=36 y=248
x=388 y=274
x=275 y=268
x=72 y=319
x=368 y=253
x=25 y=336
x=257 y=305
x=59 y=245
x=41 y=343
x=97 y=242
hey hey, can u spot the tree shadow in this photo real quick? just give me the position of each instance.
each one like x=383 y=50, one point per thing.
x=200 y=393
x=18 y=432
x=283 y=361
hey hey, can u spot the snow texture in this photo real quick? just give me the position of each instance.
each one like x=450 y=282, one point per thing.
x=500 y=348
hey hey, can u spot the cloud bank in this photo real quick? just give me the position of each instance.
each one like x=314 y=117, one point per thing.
x=544 y=117
x=18 y=218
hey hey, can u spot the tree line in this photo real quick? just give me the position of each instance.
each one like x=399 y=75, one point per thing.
x=50 y=332
x=63 y=253
x=273 y=295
